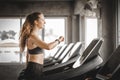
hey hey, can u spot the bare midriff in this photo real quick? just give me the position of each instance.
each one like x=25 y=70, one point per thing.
x=37 y=58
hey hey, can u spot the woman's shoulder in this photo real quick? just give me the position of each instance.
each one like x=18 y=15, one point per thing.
x=34 y=37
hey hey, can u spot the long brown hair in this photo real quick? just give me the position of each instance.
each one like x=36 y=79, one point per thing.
x=26 y=29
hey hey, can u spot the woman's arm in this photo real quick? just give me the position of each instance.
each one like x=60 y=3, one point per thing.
x=45 y=45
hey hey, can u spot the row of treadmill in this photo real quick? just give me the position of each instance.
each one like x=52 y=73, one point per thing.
x=70 y=63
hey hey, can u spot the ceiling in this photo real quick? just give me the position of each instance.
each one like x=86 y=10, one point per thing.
x=34 y=0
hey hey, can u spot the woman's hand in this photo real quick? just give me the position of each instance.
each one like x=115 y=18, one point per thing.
x=61 y=38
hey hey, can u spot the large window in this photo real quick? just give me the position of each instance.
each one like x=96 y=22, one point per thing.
x=9 y=35
x=54 y=28
x=91 y=30
x=118 y=20
x=9 y=31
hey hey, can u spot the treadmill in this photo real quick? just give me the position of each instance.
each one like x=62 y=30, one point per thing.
x=69 y=59
x=88 y=61
x=111 y=66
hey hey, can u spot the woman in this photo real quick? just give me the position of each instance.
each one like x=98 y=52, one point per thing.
x=29 y=39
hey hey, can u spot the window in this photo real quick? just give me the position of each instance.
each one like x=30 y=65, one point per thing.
x=9 y=35
x=54 y=28
x=91 y=30
x=118 y=36
x=9 y=31
x=118 y=23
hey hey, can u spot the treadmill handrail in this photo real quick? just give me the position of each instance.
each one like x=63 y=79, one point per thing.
x=60 y=51
x=72 y=52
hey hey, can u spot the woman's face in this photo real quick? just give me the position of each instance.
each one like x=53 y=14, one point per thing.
x=41 y=21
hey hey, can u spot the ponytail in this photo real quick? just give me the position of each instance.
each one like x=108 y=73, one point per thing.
x=24 y=34
x=27 y=29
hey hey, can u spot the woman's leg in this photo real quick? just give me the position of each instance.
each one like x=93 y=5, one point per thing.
x=34 y=71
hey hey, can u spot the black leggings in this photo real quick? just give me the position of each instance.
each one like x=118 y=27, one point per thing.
x=32 y=72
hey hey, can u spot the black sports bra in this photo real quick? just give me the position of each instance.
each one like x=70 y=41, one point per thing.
x=36 y=50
